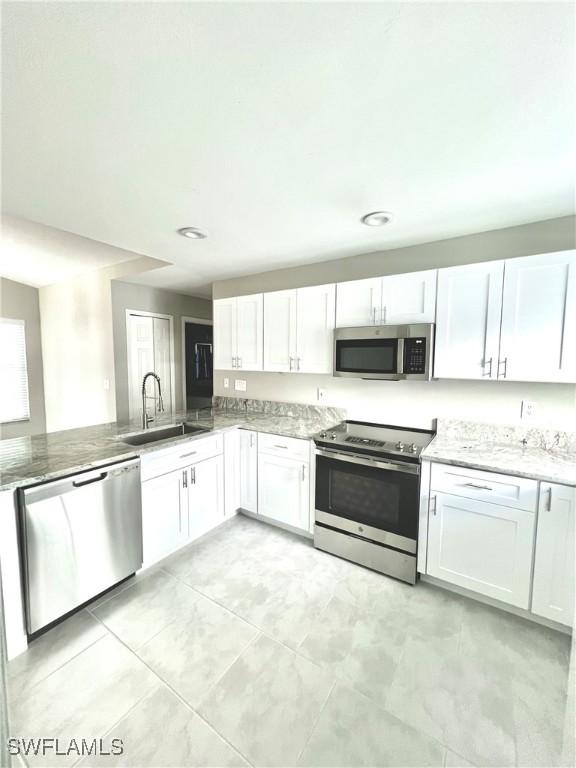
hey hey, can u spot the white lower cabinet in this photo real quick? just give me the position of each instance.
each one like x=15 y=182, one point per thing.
x=284 y=480
x=205 y=495
x=483 y=547
x=554 y=568
x=164 y=515
x=248 y=470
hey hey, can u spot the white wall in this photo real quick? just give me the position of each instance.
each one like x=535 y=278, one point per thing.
x=414 y=403
x=78 y=347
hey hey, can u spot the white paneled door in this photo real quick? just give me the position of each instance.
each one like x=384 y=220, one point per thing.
x=468 y=315
x=358 y=303
x=538 y=338
x=150 y=348
x=315 y=329
x=409 y=298
x=280 y=331
x=555 y=564
x=484 y=547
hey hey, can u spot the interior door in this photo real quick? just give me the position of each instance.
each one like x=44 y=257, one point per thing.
x=149 y=340
x=484 y=547
x=224 y=333
x=468 y=316
x=358 y=303
x=162 y=364
x=409 y=298
x=280 y=331
x=250 y=332
x=140 y=358
x=315 y=329
x=538 y=340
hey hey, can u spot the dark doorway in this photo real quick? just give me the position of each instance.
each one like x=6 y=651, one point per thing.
x=198 y=364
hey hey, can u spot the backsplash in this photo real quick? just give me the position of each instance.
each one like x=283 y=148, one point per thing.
x=548 y=439
x=324 y=415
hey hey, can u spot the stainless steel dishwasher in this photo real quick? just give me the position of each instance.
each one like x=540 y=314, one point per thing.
x=80 y=536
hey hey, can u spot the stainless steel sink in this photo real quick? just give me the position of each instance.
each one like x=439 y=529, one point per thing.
x=161 y=433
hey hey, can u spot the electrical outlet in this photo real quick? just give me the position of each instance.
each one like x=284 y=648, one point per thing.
x=106 y=385
x=320 y=394
x=240 y=385
x=528 y=409
x=226 y=382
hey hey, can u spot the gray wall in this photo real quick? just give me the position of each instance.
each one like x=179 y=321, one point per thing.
x=21 y=302
x=525 y=240
x=144 y=299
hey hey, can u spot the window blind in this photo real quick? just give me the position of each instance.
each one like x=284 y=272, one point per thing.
x=14 y=404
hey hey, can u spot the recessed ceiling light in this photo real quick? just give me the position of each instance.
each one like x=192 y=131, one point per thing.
x=376 y=218
x=192 y=232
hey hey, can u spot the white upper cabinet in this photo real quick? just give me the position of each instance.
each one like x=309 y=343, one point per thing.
x=315 y=319
x=390 y=300
x=538 y=338
x=554 y=567
x=298 y=330
x=238 y=333
x=468 y=315
x=358 y=303
x=279 y=330
x=409 y=298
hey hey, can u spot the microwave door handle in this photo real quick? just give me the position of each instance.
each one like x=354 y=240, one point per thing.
x=400 y=359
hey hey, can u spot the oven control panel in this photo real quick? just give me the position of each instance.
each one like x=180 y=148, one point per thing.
x=415 y=355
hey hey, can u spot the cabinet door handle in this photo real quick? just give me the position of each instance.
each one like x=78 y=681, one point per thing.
x=479 y=487
x=238 y=362
x=291 y=359
x=193 y=475
x=489 y=364
x=251 y=439
x=433 y=505
x=233 y=362
x=549 y=500
x=281 y=446
x=383 y=314
x=505 y=364
x=297 y=363
x=185 y=479
x=374 y=311
x=185 y=455
x=303 y=471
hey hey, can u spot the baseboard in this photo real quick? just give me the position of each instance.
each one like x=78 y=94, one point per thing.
x=496 y=604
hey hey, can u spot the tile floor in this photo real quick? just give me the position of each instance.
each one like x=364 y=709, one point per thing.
x=252 y=647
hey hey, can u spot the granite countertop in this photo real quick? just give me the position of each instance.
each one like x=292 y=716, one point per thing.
x=28 y=460
x=545 y=455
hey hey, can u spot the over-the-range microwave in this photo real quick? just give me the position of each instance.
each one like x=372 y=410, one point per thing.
x=392 y=352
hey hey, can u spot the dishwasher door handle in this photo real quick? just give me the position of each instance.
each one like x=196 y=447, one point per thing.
x=80 y=483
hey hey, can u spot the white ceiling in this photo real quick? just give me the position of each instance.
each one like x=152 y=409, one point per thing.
x=275 y=126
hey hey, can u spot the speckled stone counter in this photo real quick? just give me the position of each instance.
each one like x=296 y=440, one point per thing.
x=548 y=455
x=28 y=460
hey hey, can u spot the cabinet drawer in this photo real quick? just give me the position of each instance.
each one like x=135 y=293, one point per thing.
x=508 y=490
x=290 y=447
x=181 y=455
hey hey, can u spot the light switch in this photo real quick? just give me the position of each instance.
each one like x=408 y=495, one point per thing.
x=226 y=382
x=528 y=409
x=240 y=385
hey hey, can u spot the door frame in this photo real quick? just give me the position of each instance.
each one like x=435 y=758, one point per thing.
x=170 y=318
x=199 y=321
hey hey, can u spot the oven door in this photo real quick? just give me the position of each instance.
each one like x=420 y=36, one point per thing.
x=373 y=499
x=373 y=358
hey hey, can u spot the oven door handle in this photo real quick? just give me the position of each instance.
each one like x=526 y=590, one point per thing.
x=352 y=458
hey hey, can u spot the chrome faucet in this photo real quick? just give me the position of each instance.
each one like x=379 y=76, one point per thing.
x=145 y=418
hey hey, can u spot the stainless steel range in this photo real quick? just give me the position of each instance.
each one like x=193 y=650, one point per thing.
x=367 y=495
